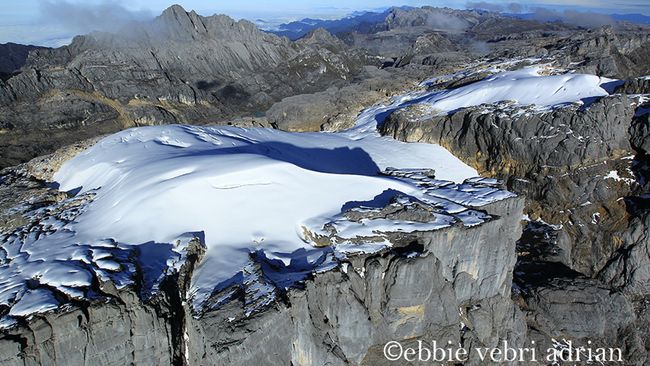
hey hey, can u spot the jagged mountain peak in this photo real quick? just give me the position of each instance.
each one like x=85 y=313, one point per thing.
x=175 y=22
x=174 y=9
x=321 y=36
x=184 y=21
x=174 y=29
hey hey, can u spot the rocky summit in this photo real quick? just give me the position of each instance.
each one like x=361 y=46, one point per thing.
x=195 y=190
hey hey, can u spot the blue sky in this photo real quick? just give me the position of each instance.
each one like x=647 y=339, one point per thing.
x=54 y=22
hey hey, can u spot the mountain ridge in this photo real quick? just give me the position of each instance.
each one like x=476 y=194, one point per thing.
x=345 y=222
x=178 y=67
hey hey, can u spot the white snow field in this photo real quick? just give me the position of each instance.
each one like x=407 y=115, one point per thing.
x=145 y=192
x=526 y=86
x=245 y=189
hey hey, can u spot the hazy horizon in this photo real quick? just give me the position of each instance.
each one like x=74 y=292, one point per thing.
x=53 y=23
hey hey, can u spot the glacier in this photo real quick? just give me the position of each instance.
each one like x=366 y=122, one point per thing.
x=150 y=190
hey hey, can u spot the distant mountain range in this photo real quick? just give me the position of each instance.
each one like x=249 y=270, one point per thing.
x=359 y=21
x=632 y=18
x=364 y=21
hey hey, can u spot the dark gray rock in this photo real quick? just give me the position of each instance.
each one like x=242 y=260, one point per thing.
x=634 y=86
x=337 y=108
x=12 y=57
x=583 y=276
x=641 y=133
x=559 y=160
x=111 y=333
x=629 y=268
x=581 y=311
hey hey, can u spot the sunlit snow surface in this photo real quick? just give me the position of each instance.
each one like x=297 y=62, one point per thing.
x=245 y=189
x=143 y=193
x=524 y=87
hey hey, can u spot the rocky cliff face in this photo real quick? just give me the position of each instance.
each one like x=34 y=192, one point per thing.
x=341 y=316
x=612 y=52
x=581 y=170
x=346 y=316
x=561 y=160
x=616 y=52
x=12 y=57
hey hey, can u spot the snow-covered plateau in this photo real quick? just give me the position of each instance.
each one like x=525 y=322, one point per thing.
x=144 y=193
x=526 y=86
